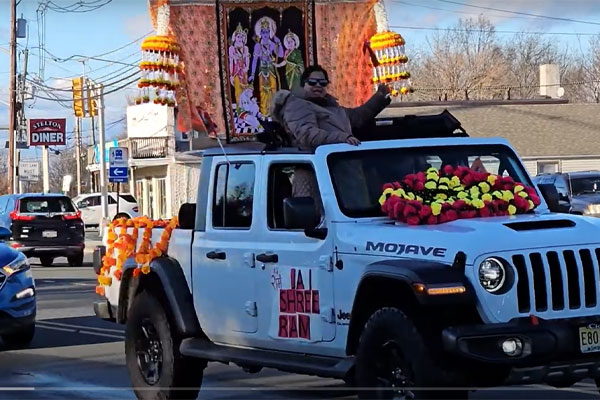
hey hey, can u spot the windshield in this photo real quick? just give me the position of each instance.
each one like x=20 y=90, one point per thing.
x=45 y=205
x=358 y=176
x=589 y=184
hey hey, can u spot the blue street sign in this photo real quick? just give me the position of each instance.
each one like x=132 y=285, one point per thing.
x=118 y=174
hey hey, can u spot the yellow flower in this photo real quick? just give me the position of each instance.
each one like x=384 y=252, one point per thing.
x=436 y=208
x=487 y=197
x=443 y=187
x=430 y=185
x=518 y=188
x=492 y=179
x=462 y=195
x=474 y=191
x=445 y=180
x=419 y=199
x=433 y=177
x=477 y=203
x=522 y=194
x=455 y=181
x=497 y=194
x=410 y=196
x=441 y=196
x=484 y=187
x=507 y=195
x=383 y=197
x=146 y=269
x=432 y=170
x=531 y=204
x=512 y=210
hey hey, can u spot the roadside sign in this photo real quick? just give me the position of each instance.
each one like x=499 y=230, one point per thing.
x=29 y=171
x=47 y=132
x=118 y=170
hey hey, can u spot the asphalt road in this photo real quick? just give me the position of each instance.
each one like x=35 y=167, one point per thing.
x=76 y=356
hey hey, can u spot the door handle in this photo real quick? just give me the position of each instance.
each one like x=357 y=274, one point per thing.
x=267 y=258
x=216 y=255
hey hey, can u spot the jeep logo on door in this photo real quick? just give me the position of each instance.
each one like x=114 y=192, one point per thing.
x=47 y=132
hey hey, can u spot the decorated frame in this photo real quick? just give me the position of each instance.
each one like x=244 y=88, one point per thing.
x=264 y=47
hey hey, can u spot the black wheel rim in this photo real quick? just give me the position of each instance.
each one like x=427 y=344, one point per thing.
x=394 y=377
x=148 y=350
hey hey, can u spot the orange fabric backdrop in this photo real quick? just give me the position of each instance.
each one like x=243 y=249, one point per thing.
x=342 y=28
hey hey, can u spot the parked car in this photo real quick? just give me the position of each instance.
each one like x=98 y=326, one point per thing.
x=44 y=226
x=17 y=296
x=91 y=210
x=579 y=189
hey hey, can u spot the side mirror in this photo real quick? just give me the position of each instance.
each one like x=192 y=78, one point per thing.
x=5 y=234
x=550 y=194
x=301 y=213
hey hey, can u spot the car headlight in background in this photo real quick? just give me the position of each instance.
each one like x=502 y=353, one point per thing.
x=593 y=209
x=20 y=263
x=492 y=274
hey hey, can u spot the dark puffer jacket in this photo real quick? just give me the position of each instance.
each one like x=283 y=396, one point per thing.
x=310 y=124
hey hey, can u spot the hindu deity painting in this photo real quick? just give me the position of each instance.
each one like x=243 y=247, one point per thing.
x=267 y=50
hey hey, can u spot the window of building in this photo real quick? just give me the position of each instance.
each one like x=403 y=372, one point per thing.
x=161 y=197
x=233 y=195
x=139 y=192
x=547 y=167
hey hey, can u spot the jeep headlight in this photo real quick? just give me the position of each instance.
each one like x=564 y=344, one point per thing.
x=492 y=274
x=20 y=263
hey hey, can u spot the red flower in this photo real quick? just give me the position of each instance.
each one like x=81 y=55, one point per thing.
x=521 y=203
x=468 y=213
x=484 y=212
x=448 y=170
x=414 y=220
x=388 y=186
x=425 y=212
x=419 y=186
x=421 y=177
x=432 y=220
x=398 y=210
x=468 y=180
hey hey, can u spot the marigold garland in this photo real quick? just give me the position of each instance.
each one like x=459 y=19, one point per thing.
x=434 y=197
x=126 y=244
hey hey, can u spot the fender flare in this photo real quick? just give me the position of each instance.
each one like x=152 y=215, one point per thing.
x=175 y=289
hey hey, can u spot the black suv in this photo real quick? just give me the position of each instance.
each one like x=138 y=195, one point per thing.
x=44 y=226
x=580 y=191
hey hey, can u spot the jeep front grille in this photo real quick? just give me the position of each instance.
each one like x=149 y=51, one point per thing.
x=555 y=280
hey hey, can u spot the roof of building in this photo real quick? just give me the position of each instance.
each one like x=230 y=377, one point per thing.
x=535 y=128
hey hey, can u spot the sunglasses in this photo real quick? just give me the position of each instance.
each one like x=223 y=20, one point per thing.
x=321 y=82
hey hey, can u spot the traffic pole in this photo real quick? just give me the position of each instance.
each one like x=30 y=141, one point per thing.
x=12 y=167
x=99 y=94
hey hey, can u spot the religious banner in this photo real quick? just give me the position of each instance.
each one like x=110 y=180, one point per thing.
x=265 y=47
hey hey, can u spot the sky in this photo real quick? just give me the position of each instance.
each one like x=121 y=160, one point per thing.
x=115 y=27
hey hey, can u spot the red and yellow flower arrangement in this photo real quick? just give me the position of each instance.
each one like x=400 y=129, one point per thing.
x=434 y=196
x=124 y=244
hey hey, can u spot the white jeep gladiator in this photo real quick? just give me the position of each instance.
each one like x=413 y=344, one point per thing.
x=332 y=287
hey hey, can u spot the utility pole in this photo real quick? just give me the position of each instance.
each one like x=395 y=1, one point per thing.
x=46 y=169
x=22 y=120
x=99 y=95
x=12 y=168
x=78 y=152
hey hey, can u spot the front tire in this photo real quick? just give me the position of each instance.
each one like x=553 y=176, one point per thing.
x=156 y=368
x=392 y=360
x=20 y=339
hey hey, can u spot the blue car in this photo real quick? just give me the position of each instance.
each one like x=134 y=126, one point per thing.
x=17 y=296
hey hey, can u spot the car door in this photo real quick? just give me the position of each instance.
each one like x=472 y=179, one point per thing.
x=90 y=212
x=223 y=272
x=294 y=272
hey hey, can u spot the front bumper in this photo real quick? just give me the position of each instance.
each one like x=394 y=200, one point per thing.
x=551 y=349
x=104 y=310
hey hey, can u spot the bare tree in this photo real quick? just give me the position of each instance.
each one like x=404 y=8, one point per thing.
x=461 y=61
x=524 y=53
x=586 y=75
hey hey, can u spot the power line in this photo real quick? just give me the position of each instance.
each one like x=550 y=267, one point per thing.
x=87 y=7
x=431 y=28
x=93 y=97
x=453 y=11
x=105 y=84
x=521 y=13
x=505 y=87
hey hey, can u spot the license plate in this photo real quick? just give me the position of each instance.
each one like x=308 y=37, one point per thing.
x=589 y=339
x=49 y=234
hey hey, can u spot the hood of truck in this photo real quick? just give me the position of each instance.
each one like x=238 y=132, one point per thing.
x=474 y=237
